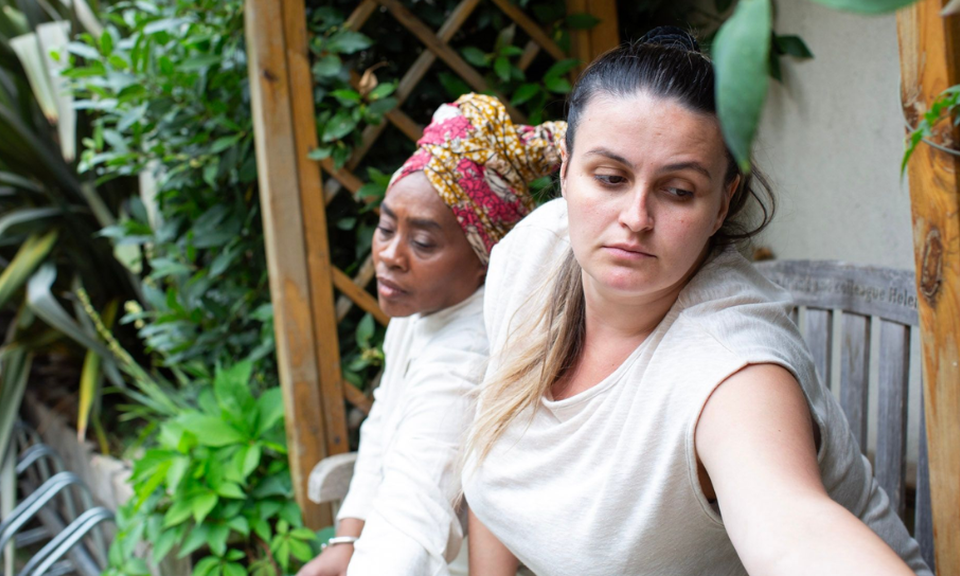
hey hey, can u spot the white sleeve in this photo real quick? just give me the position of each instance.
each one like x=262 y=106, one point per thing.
x=413 y=527
x=367 y=471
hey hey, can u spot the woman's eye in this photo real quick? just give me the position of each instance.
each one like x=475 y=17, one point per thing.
x=419 y=244
x=609 y=179
x=680 y=192
x=384 y=231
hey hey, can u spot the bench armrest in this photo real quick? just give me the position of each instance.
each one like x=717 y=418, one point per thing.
x=330 y=479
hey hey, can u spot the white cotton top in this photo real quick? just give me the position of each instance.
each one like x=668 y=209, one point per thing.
x=405 y=480
x=605 y=482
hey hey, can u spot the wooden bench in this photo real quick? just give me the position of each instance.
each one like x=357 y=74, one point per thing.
x=836 y=303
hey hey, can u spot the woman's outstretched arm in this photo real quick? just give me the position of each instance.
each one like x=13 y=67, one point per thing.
x=755 y=439
x=488 y=556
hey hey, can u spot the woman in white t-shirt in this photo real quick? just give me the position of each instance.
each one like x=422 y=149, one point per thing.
x=446 y=207
x=649 y=407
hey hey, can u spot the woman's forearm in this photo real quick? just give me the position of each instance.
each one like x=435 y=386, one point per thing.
x=488 y=556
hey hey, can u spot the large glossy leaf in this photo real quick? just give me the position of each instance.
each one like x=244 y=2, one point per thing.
x=741 y=56
x=866 y=6
x=28 y=257
x=91 y=378
x=10 y=179
x=15 y=364
x=54 y=37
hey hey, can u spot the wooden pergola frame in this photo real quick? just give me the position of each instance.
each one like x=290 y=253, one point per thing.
x=303 y=279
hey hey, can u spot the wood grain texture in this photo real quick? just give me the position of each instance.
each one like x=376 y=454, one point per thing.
x=929 y=49
x=278 y=174
x=363 y=277
x=829 y=284
x=923 y=518
x=854 y=371
x=894 y=379
x=314 y=223
x=585 y=45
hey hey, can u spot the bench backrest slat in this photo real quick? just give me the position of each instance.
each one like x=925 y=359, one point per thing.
x=894 y=374
x=923 y=520
x=818 y=333
x=854 y=371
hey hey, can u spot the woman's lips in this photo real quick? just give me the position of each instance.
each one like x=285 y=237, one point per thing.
x=388 y=289
x=627 y=251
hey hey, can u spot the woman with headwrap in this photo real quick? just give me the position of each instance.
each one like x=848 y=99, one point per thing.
x=457 y=196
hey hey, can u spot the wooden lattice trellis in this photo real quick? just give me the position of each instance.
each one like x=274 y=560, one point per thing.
x=303 y=279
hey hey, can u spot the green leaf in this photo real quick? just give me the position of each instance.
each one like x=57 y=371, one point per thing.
x=231 y=490
x=321 y=153
x=179 y=511
x=454 y=86
x=202 y=504
x=251 y=459
x=210 y=430
x=33 y=217
x=346 y=97
x=524 y=93
x=231 y=388
x=206 y=566
x=217 y=539
x=327 y=66
x=31 y=253
x=270 y=404
x=196 y=539
x=866 y=6
x=557 y=85
x=474 y=56
x=163 y=544
x=582 y=21
x=221 y=144
x=239 y=524
x=561 y=68
x=741 y=53
x=793 y=46
x=339 y=126
x=382 y=90
x=502 y=67
x=348 y=42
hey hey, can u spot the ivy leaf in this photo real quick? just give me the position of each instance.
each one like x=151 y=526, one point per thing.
x=217 y=539
x=196 y=539
x=866 y=6
x=741 y=53
x=231 y=490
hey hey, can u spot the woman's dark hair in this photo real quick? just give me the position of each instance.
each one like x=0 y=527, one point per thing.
x=667 y=63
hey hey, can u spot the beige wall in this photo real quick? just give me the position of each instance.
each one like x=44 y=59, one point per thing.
x=832 y=138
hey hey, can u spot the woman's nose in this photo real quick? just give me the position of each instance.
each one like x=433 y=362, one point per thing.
x=637 y=215
x=392 y=253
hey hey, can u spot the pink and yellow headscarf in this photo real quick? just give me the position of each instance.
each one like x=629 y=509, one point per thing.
x=480 y=163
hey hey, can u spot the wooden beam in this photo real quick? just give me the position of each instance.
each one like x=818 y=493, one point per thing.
x=290 y=195
x=585 y=45
x=928 y=65
x=532 y=28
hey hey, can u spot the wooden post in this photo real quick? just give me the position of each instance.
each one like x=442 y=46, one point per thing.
x=295 y=234
x=928 y=64
x=585 y=45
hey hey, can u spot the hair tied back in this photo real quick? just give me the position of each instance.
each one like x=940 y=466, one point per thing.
x=672 y=37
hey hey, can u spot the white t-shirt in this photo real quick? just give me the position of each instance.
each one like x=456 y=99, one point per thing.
x=605 y=482
x=405 y=480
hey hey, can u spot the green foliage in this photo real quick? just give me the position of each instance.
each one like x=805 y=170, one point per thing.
x=943 y=108
x=168 y=81
x=217 y=481
x=741 y=54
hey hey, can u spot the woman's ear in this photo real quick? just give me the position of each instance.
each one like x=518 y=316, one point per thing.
x=728 y=193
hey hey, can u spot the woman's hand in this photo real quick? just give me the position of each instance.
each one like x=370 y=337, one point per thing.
x=334 y=560
x=331 y=562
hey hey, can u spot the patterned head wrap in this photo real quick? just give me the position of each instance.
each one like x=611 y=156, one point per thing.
x=480 y=162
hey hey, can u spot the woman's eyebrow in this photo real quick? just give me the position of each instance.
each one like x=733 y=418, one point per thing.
x=424 y=223
x=606 y=153
x=692 y=165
